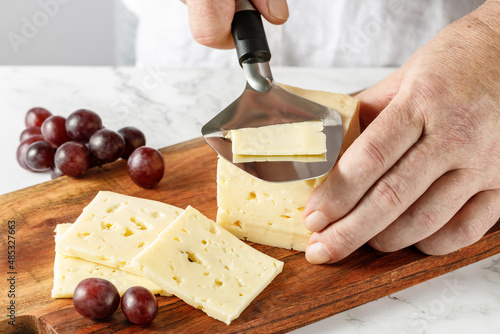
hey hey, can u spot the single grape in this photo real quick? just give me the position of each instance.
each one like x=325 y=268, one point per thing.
x=72 y=159
x=23 y=147
x=133 y=137
x=36 y=116
x=31 y=131
x=82 y=123
x=106 y=145
x=40 y=156
x=139 y=305
x=96 y=298
x=146 y=167
x=54 y=131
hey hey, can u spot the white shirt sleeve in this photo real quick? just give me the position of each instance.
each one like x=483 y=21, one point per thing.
x=318 y=33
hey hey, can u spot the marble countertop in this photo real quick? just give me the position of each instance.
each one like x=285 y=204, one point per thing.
x=171 y=105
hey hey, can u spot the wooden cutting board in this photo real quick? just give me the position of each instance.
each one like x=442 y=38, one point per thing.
x=301 y=294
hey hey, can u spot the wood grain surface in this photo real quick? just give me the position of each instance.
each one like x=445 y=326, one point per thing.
x=301 y=294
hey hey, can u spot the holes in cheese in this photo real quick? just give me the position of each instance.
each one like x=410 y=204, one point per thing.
x=112 y=224
x=128 y=232
x=140 y=224
x=69 y=271
x=220 y=274
x=107 y=226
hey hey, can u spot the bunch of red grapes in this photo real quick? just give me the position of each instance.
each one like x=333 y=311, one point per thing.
x=71 y=146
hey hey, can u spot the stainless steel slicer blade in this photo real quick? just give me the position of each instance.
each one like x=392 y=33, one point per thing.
x=264 y=102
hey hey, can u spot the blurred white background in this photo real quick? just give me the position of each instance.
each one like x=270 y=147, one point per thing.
x=66 y=32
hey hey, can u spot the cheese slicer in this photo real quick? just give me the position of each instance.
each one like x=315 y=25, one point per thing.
x=263 y=102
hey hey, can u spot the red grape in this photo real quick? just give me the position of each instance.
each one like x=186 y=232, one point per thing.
x=23 y=147
x=81 y=124
x=54 y=131
x=31 y=131
x=146 y=167
x=133 y=137
x=72 y=159
x=96 y=298
x=106 y=145
x=36 y=116
x=40 y=156
x=139 y=305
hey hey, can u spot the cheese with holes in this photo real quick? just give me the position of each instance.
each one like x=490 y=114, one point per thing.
x=290 y=139
x=69 y=271
x=271 y=213
x=114 y=228
x=206 y=266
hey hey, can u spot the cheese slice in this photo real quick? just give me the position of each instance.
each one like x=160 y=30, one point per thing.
x=242 y=158
x=206 y=266
x=69 y=271
x=271 y=213
x=114 y=228
x=289 y=139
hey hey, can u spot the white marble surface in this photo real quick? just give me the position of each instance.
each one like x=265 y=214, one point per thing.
x=171 y=105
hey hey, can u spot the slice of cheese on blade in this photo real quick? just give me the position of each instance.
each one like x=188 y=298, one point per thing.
x=114 y=228
x=346 y=105
x=206 y=266
x=271 y=213
x=241 y=158
x=289 y=139
x=69 y=271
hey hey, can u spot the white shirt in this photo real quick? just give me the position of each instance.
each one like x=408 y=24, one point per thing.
x=321 y=33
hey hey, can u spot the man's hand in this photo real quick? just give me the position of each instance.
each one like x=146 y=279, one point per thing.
x=426 y=170
x=210 y=20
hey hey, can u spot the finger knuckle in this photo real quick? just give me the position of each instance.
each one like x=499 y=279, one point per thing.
x=387 y=195
x=428 y=218
x=374 y=156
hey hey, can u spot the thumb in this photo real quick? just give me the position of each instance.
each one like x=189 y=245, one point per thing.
x=274 y=11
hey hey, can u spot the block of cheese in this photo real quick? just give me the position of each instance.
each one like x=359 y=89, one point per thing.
x=289 y=139
x=206 y=266
x=271 y=213
x=114 y=228
x=69 y=271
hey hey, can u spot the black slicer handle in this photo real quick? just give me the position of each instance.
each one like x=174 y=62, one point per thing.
x=248 y=34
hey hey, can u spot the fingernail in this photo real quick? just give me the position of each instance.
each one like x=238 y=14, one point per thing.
x=278 y=9
x=317 y=254
x=316 y=221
